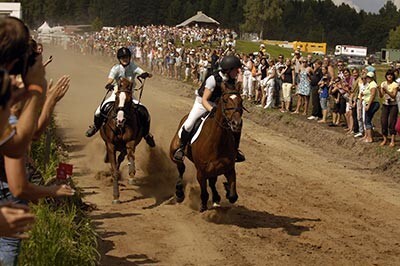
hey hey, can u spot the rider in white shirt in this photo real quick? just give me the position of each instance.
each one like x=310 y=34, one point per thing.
x=125 y=69
x=206 y=97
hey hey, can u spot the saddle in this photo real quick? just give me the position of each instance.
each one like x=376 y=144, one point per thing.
x=106 y=109
x=198 y=125
x=144 y=115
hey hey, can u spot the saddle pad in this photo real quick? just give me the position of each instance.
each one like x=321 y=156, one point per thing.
x=197 y=133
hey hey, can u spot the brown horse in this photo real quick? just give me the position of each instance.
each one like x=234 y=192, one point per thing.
x=214 y=152
x=122 y=133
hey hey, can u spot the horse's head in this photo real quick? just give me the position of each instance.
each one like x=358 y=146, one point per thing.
x=123 y=101
x=232 y=106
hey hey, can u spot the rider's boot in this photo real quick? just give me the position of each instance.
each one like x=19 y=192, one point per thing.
x=180 y=152
x=98 y=121
x=239 y=154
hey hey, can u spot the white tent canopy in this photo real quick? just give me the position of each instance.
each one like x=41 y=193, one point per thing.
x=200 y=18
x=45 y=28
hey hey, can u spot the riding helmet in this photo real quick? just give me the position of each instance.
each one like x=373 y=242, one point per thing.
x=123 y=52
x=230 y=62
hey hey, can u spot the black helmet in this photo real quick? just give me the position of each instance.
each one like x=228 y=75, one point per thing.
x=230 y=62
x=123 y=52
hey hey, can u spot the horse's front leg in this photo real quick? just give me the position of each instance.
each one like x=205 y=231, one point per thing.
x=121 y=158
x=230 y=186
x=215 y=196
x=203 y=191
x=111 y=154
x=179 y=192
x=131 y=148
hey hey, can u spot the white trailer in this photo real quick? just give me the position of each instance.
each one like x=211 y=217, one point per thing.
x=10 y=9
x=351 y=50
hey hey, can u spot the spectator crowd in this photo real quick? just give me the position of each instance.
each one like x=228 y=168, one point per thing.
x=322 y=89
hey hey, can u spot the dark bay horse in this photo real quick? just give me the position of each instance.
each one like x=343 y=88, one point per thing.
x=122 y=133
x=214 y=152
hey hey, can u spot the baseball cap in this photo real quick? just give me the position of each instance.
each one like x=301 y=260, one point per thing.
x=370 y=74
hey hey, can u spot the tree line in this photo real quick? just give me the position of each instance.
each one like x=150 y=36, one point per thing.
x=303 y=20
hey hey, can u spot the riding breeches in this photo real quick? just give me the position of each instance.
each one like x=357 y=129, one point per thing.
x=197 y=111
x=110 y=99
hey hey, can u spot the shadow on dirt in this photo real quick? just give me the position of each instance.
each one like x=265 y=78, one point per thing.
x=112 y=215
x=245 y=218
x=106 y=246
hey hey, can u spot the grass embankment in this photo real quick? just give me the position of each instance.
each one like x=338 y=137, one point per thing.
x=62 y=234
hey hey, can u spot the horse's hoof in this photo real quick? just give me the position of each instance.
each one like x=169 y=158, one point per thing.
x=216 y=205
x=233 y=199
x=180 y=199
x=116 y=201
x=131 y=181
x=203 y=208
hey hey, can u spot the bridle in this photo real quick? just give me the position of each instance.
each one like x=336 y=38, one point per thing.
x=226 y=123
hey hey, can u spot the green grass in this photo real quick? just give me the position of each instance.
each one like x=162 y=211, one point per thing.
x=61 y=236
x=48 y=169
x=62 y=233
x=274 y=50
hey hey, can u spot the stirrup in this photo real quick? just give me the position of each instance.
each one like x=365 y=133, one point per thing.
x=150 y=140
x=179 y=154
x=91 y=131
x=240 y=156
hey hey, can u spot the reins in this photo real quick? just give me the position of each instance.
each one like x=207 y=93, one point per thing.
x=140 y=88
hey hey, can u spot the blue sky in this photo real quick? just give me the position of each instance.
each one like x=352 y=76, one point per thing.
x=367 y=5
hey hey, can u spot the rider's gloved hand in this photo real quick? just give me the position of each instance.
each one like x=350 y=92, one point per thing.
x=145 y=75
x=109 y=87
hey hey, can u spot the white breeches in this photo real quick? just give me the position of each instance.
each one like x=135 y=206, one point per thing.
x=111 y=99
x=247 y=83
x=197 y=111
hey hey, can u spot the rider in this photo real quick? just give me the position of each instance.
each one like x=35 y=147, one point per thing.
x=206 y=98
x=125 y=69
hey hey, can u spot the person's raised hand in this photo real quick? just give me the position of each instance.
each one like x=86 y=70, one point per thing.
x=58 y=91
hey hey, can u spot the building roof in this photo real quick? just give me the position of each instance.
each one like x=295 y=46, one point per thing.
x=200 y=17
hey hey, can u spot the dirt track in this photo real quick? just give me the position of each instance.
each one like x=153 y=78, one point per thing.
x=298 y=205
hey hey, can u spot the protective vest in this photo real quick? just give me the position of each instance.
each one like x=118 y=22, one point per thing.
x=217 y=92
